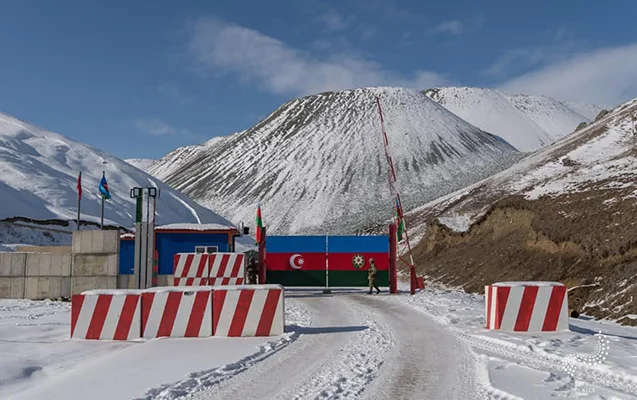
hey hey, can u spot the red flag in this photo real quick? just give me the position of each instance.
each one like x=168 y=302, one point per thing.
x=259 y=223
x=79 y=185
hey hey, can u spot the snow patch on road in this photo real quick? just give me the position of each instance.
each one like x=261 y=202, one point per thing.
x=296 y=316
x=347 y=375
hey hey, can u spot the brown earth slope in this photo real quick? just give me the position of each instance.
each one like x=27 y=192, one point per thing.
x=567 y=214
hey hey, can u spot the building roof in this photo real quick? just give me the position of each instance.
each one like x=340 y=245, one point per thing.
x=187 y=228
x=195 y=227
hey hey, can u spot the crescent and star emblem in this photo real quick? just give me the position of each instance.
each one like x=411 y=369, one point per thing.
x=297 y=261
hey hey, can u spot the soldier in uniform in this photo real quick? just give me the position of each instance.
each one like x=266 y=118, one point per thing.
x=252 y=271
x=371 y=275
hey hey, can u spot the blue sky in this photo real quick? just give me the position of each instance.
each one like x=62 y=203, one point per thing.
x=139 y=80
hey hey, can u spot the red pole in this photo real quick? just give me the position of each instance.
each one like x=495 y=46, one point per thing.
x=393 y=275
x=262 y=263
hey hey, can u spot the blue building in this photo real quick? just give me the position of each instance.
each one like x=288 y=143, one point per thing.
x=178 y=238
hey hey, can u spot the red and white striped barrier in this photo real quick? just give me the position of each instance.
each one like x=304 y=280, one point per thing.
x=177 y=312
x=106 y=315
x=191 y=269
x=527 y=306
x=250 y=310
x=226 y=269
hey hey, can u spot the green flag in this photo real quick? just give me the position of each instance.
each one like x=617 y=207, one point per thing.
x=400 y=223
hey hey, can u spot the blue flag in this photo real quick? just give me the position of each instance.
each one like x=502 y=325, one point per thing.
x=104 y=188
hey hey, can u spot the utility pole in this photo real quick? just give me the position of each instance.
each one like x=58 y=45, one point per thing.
x=144 y=235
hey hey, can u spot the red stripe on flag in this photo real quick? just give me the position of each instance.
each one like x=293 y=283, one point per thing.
x=99 y=316
x=218 y=300
x=241 y=313
x=502 y=296
x=526 y=308
x=197 y=314
x=267 y=316
x=76 y=307
x=170 y=313
x=126 y=317
x=147 y=303
x=558 y=294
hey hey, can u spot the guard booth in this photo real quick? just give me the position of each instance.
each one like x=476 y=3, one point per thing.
x=319 y=261
x=178 y=238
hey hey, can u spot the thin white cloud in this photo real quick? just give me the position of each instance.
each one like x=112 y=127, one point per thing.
x=454 y=27
x=221 y=47
x=606 y=76
x=524 y=58
x=157 y=127
x=174 y=92
x=334 y=21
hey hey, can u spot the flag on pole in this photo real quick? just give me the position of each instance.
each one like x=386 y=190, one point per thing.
x=259 y=223
x=106 y=194
x=400 y=222
x=79 y=185
x=79 y=198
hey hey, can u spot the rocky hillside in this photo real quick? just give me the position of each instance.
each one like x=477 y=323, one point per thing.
x=567 y=213
x=317 y=163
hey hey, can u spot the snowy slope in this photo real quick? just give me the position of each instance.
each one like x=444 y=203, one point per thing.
x=318 y=162
x=141 y=163
x=527 y=122
x=38 y=176
x=597 y=157
x=178 y=158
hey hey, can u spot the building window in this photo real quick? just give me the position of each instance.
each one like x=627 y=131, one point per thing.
x=206 y=249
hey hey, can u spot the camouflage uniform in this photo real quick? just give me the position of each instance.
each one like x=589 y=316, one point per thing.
x=371 y=275
x=252 y=272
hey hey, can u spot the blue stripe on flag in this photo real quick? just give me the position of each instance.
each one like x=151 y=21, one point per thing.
x=358 y=244
x=295 y=244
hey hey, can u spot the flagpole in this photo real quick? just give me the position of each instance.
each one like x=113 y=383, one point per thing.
x=102 y=223
x=79 y=201
x=79 y=198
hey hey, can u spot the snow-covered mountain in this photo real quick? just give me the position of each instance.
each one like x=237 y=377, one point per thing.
x=141 y=163
x=318 y=162
x=565 y=213
x=527 y=122
x=38 y=178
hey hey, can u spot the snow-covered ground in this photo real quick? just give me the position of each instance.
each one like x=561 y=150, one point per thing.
x=346 y=345
x=39 y=361
x=538 y=366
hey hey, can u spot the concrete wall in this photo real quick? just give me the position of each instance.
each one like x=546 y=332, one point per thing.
x=95 y=260
x=12 y=275
x=45 y=249
x=35 y=275
x=93 y=264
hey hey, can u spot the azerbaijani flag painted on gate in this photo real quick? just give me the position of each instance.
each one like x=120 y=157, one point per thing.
x=301 y=260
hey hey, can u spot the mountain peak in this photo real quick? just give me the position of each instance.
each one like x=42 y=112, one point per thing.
x=528 y=122
x=317 y=162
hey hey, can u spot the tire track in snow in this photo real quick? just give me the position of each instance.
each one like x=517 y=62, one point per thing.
x=350 y=371
x=201 y=381
x=592 y=374
x=310 y=368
